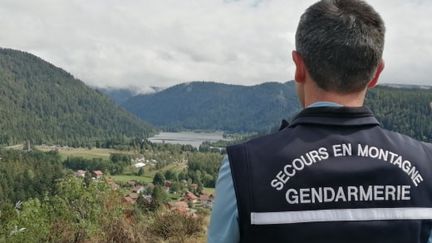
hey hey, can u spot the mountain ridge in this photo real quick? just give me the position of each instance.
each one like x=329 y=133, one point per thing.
x=217 y=106
x=406 y=109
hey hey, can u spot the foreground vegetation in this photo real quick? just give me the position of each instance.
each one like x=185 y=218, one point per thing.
x=43 y=200
x=93 y=212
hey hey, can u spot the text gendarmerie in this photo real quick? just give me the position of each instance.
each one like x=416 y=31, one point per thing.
x=349 y=194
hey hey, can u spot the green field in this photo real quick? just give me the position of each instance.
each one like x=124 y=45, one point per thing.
x=176 y=167
x=148 y=173
x=126 y=178
x=102 y=153
x=86 y=153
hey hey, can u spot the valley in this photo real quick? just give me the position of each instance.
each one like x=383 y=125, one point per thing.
x=98 y=165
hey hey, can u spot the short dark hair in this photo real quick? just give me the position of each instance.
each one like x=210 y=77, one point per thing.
x=341 y=42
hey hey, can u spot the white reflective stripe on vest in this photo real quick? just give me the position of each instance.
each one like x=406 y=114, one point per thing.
x=331 y=215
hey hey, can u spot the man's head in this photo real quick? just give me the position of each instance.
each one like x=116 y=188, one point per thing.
x=340 y=43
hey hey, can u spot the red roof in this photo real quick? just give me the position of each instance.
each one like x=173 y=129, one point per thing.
x=98 y=173
x=190 y=196
x=129 y=200
x=179 y=206
x=204 y=197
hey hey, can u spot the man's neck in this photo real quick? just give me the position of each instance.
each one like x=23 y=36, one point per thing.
x=351 y=100
x=344 y=101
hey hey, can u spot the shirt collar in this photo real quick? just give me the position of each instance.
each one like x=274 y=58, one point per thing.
x=335 y=115
x=324 y=103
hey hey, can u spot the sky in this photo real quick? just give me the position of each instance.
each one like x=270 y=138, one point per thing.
x=141 y=44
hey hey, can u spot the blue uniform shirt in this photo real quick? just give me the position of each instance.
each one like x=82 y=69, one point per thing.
x=224 y=227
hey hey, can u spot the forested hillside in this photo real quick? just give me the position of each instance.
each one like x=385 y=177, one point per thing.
x=405 y=110
x=43 y=103
x=216 y=106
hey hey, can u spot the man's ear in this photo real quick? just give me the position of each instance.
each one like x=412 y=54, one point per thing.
x=378 y=72
x=300 y=72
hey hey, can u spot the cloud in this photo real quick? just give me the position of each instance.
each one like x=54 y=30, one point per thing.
x=143 y=43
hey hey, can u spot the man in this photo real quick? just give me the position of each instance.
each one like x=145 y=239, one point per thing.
x=333 y=174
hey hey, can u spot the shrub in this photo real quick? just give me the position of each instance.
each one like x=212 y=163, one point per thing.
x=176 y=226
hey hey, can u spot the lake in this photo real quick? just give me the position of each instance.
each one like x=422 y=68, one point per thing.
x=192 y=138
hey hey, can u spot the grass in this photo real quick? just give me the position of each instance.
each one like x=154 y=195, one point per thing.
x=176 y=167
x=86 y=153
x=17 y=147
x=126 y=178
x=209 y=190
x=148 y=174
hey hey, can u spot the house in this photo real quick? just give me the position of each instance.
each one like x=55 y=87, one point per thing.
x=179 y=206
x=139 y=165
x=97 y=174
x=128 y=200
x=131 y=198
x=206 y=200
x=80 y=173
x=138 y=160
x=190 y=197
x=138 y=189
x=204 y=197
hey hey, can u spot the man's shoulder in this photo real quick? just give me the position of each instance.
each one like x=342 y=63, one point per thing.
x=407 y=140
x=381 y=135
x=261 y=140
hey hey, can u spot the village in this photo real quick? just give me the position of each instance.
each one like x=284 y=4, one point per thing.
x=184 y=195
x=186 y=201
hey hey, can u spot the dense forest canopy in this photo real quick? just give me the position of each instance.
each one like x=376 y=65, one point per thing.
x=404 y=110
x=43 y=103
x=27 y=175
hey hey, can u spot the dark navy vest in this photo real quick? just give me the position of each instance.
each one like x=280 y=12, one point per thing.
x=333 y=175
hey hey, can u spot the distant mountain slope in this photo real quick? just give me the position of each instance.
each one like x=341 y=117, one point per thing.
x=216 y=106
x=407 y=86
x=44 y=103
x=204 y=105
